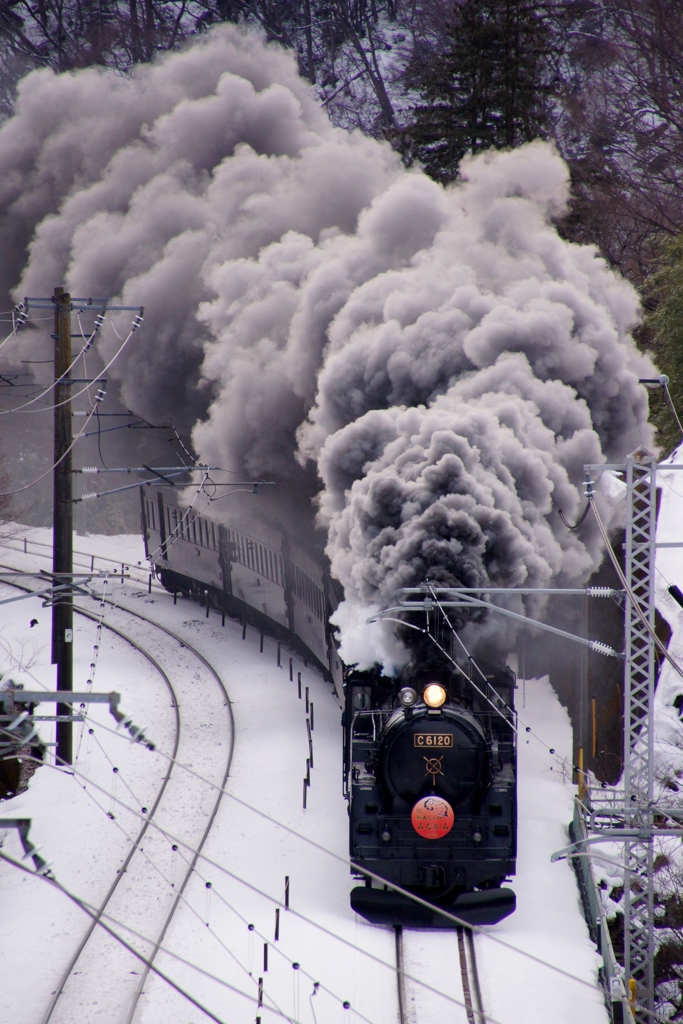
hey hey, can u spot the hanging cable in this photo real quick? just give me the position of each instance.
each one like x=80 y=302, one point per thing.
x=99 y=320
x=91 y=912
x=136 y=323
x=579 y=521
x=227 y=904
x=663 y=381
x=310 y=842
x=178 y=527
x=472 y=661
x=326 y=931
x=98 y=398
x=636 y=607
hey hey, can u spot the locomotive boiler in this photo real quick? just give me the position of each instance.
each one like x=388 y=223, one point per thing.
x=430 y=777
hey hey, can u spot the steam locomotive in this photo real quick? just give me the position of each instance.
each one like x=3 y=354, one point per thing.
x=429 y=770
x=429 y=758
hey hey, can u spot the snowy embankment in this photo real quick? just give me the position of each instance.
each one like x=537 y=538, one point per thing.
x=248 y=855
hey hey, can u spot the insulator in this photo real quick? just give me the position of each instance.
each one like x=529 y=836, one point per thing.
x=17 y=721
x=601 y=592
x=90 y=469
x=87 y=497
x=600 y=648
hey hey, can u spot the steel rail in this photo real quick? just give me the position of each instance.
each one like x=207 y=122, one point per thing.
x=212 y=816
x=200 y=657
x=136 y=843
x=141 y=834
x=469 y=976
x=400 y=976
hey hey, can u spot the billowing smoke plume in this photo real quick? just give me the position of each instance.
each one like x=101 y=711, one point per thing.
x=442 y=358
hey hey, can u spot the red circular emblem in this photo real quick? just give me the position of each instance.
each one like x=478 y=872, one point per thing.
x=432 y=817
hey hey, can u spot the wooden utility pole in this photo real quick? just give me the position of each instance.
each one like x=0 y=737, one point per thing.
x=62 y=521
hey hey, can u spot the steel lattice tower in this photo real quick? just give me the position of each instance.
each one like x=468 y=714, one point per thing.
x=627 y=815
x=639 y=692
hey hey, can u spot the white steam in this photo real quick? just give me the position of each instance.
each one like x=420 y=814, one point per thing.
x=441 y=356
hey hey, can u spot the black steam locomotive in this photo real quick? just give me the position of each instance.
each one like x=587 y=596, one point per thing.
x=430 y=775
x=429 y=760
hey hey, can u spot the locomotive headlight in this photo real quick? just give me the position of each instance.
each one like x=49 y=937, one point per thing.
x=407 y=696
x=434 y=695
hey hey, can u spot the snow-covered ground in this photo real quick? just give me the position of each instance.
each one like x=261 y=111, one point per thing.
x=247 y=855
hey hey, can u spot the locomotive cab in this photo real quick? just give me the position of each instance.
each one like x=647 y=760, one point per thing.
x=430 y=764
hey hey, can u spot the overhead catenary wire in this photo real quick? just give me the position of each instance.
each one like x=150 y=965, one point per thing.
x=151 y=862
x=99 y=320
x=48 y=408
x=317 y=846
x=636 y=607
x=241 y=917
x=322 y=849
x=77 y=437
x=146 y=820
x=183 y=898
x=85 y=371
x=101 y=922
x=19 y=318
x=472 y=661
x=663 y=381
x=359 y=949
x=96 y=657
x=120 y=775
x=328 y=852
x=218 y=894
x=170 y=539
x=497 y=709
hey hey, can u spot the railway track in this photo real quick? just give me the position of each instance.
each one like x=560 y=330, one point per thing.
x=430 y=955
x=97 y=960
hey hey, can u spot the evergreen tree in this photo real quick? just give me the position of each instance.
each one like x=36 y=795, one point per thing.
x=487 y=83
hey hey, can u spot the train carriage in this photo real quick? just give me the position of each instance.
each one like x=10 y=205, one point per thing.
x=252 y=570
